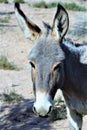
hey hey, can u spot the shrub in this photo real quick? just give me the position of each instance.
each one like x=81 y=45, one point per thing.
x=19 y=1
x=11 y=97
x=5 y=64
x=6 y=1
x=59 y=111
x=3 y=1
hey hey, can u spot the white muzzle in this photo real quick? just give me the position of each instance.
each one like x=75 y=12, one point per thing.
x=43 y=104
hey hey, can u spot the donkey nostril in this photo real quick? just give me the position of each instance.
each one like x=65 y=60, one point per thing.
x=34 y=109
x=50 y=109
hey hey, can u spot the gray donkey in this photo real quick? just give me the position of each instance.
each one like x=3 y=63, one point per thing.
x=56 y=63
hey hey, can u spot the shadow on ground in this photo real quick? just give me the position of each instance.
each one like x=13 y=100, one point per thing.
x=21 y=117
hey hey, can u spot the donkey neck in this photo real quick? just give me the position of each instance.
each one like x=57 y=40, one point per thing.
x=74 y=72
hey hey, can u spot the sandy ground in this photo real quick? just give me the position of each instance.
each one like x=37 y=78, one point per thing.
x=16 y=47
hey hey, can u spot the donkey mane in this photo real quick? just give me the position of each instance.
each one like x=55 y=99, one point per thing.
x=76 y=49
x=47 y=27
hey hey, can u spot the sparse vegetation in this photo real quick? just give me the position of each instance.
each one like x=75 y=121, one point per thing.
x=3 y=1
x=5 y=64
x=43 y=4
x=69 y=6
x=19 y=1
x=5 y=19
x=6 y=1
x=59 y=111
x=74 y=7
x=11 y=97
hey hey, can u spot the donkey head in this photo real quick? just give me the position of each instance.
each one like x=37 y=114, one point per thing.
x=46 y=57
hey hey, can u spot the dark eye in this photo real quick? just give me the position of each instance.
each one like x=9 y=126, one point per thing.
x=57 y=67
x=32 y=64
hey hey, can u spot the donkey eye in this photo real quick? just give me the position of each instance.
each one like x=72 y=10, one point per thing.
x=32 y=64
x=57 y=67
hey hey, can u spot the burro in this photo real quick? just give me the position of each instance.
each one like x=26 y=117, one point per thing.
x=56 y=63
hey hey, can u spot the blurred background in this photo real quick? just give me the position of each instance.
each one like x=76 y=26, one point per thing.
x=16 y=93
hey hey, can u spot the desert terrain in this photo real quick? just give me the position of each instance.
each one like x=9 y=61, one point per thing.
x=13 y=45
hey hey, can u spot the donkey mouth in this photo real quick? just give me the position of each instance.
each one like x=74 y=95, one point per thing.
x=42 y=116
x=46 y=116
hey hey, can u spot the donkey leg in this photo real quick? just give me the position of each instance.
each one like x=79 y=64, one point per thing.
x=75 y=119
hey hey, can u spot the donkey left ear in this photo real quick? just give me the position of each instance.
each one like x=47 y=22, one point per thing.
x=60 y=23
x=30 y=29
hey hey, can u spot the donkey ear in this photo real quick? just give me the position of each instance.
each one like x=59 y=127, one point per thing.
x=60 y=23
x=31 y=30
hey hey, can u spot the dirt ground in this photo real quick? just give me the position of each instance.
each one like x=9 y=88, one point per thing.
x=16 y=47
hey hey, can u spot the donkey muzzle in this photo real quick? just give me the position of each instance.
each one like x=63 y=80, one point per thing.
x=43 y=105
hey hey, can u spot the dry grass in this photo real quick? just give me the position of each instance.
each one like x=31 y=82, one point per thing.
x=6 y=65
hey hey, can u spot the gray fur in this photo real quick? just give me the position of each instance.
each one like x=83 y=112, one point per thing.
x=56 y=63
x=73 y=76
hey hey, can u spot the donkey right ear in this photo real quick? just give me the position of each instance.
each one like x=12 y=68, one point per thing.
x=31 y=30
x=60 y=23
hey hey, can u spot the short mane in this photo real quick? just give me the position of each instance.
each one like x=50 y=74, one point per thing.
x=77 y=49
